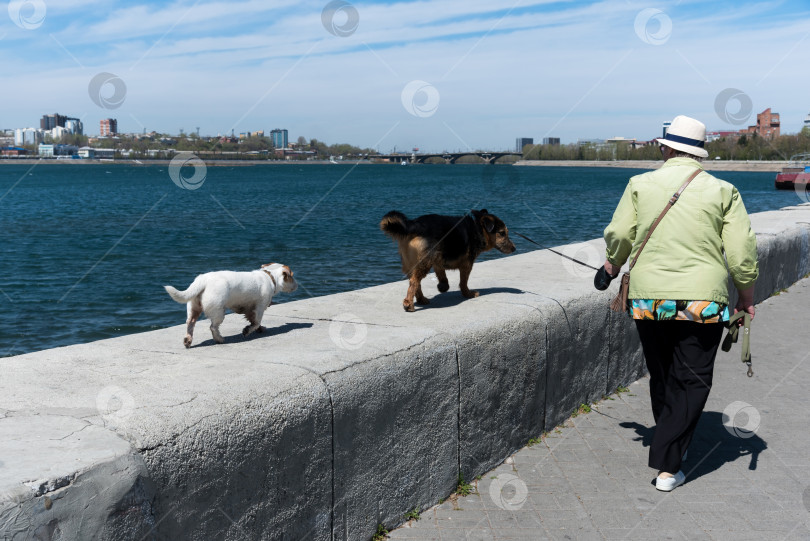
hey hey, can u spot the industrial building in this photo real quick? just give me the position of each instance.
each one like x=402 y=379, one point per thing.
x=27 y=136
x=767 y=124
x=73 y=125
x=521 y=142
x=50 y=150
x=279 y=137
x=108 y=127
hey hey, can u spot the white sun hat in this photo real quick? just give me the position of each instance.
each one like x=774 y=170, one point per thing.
x=687 y=135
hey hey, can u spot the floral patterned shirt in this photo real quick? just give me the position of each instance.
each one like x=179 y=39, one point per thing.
x=660 y=310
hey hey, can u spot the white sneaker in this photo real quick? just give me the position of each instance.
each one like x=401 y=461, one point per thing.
x=670 y=483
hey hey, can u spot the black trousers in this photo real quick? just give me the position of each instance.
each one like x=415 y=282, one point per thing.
x=680 y=357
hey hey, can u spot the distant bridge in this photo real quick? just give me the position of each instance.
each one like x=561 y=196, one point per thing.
x=448 y=157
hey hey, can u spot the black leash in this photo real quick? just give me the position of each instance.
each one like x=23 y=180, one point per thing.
x=556 y=252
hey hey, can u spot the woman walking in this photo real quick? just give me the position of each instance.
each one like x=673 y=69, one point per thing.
x=678 y=293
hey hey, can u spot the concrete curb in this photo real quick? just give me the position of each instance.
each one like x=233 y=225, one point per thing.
x=346 y=413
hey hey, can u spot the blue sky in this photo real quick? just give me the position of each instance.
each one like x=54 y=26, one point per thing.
x=449 y=75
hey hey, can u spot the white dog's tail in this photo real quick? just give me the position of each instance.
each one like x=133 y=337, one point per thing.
x=196 y=287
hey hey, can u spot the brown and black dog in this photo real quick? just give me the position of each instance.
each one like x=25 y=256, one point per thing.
x=443 y=242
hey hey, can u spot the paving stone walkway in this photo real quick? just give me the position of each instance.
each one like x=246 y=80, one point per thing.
x=748 y=474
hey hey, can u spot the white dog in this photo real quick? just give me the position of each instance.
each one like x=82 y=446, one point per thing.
x=248 y=293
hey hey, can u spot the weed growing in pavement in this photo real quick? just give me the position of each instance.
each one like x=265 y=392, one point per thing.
x=413 y=514
x=621 y=389
x=583 y=408
x=464 y=488
x=381 y=534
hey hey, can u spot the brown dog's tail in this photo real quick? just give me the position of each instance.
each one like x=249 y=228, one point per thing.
x=395 y=225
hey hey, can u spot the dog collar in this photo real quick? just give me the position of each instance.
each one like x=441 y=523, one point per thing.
x=271 y=277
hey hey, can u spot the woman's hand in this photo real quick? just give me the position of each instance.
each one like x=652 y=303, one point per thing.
x=611 y=269
x=604 y=276
x=745 y=302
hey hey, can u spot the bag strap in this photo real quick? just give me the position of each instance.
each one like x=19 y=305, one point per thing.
x=672 y=201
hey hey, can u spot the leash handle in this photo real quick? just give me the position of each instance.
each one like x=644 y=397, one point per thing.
x=746 y=345
x=733 y=335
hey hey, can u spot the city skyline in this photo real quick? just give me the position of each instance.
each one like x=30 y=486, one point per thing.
x=108 y=127
x=434 y=75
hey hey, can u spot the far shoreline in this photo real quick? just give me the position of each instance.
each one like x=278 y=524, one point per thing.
x=709 y=165
x=146 y=163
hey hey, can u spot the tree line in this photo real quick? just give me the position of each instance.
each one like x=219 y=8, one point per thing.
x=744 y=147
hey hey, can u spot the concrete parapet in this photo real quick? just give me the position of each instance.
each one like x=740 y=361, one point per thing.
x=346 y=413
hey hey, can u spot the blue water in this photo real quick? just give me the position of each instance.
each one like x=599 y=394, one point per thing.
x=86 y=249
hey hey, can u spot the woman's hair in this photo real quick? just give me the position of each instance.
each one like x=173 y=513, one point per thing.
x=681 y=154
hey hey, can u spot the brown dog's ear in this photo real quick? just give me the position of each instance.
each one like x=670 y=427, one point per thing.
x=267 y=265
x=483 y=211
x=488 y=222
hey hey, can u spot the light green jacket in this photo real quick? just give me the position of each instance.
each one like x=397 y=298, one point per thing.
x=683 y=259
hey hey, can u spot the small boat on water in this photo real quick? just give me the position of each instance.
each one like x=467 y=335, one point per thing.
x=795 y=173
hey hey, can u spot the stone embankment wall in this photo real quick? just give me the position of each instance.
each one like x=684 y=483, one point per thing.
x=346 y=413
